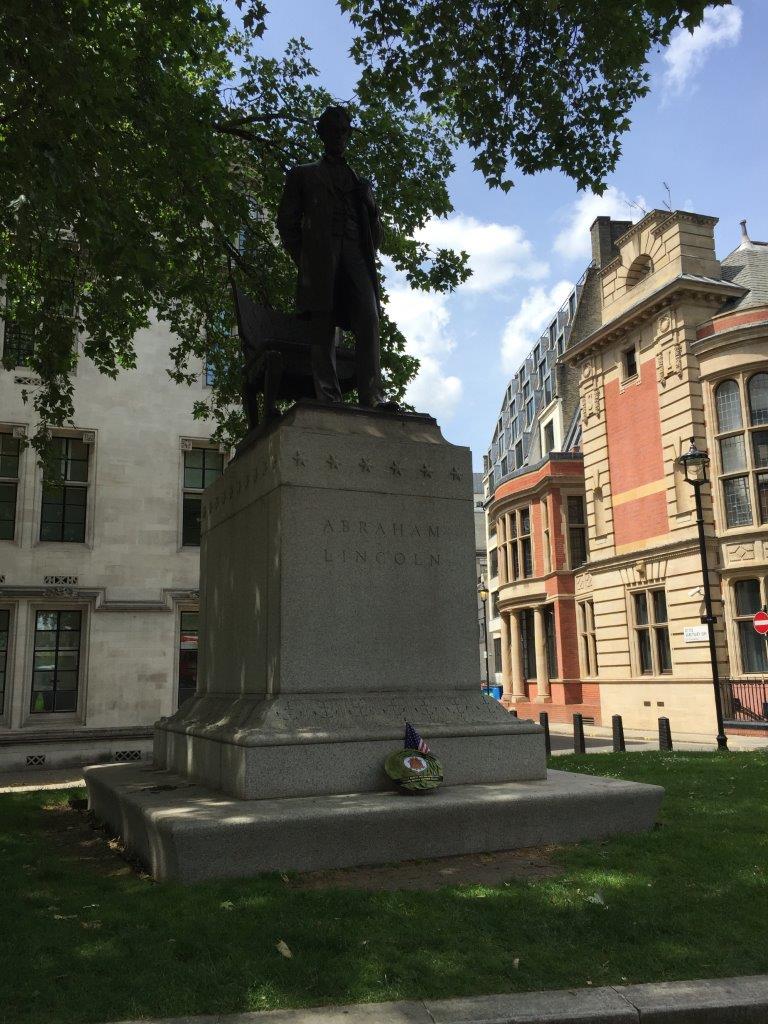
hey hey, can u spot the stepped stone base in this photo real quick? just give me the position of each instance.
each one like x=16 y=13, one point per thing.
x=183 y=831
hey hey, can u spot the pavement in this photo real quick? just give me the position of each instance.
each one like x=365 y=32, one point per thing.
x=742 y=1000
x=599 y=740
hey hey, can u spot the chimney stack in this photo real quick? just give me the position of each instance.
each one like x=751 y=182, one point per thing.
x=604 y=232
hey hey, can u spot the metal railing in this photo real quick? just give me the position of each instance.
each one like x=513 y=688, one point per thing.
x=744 y=701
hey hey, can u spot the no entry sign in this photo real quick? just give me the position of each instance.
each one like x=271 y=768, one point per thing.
x=760 y=623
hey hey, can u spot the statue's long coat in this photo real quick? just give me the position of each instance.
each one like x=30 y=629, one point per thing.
x=304 y=222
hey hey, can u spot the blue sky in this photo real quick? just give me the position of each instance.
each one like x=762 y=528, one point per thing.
x=703 y=129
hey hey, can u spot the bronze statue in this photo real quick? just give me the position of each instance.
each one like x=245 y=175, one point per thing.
x=329 y=224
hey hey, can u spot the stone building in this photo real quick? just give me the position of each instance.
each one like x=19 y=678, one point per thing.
x=99 y=574
x=536 y=521
x=674 y=346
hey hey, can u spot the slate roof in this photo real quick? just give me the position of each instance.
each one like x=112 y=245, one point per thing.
x=748 y=266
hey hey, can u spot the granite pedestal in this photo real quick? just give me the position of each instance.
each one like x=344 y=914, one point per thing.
x=337 y=601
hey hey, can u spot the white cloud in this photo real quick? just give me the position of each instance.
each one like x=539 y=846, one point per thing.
x=498 y=253
x=424 y=319
x=687 y=51
x=525 y=327
x=573 y=242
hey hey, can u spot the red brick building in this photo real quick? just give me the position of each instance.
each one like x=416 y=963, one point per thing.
x=538 y=537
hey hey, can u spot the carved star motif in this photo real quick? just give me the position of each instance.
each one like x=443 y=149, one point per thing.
x=425 y=470
x=332 y=462
x=298 y=458
x=394 y=469
x=455 y=474
x=365 y=465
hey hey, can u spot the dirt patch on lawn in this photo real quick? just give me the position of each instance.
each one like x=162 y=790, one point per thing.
x=76 y=834
x=427 y=875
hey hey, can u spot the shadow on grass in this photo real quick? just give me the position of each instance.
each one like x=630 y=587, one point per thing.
x=688 y=899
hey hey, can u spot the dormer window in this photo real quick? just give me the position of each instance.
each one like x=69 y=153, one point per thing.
x=640 y=268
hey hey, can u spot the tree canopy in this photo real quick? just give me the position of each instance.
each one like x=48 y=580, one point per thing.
x=138 y=137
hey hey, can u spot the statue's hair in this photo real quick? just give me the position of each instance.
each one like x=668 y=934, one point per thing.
x=333 y=112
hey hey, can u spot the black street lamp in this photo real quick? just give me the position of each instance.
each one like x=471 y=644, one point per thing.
x=482 y=592
x=695 y=463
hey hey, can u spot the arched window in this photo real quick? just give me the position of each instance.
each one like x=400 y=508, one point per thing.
x=640 y=268
x=758 y=399
x=728 y=406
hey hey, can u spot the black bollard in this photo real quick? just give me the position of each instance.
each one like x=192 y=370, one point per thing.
x=579 y=747
x=544 y=723
x=665 y=734
x=618 y=734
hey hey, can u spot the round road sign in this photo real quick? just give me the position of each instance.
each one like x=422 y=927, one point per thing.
x=760 y=623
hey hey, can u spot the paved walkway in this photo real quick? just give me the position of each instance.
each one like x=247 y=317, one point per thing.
x=599 y=740
x=678 y=1002
x=36 y=778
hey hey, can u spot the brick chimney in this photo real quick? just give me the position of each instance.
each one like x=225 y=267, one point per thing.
x=604 y=232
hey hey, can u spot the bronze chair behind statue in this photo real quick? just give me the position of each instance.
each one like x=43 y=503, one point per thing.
x=276 y=358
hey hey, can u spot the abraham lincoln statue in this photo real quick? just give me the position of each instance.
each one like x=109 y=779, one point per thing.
x=329 y=224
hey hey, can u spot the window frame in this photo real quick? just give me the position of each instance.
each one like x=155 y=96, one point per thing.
x=628 y=374
x=183 y=610
x=587 y=634
x=653 y=629
x=84 y=485
x=44 y=719
x=738 y=619
x=187 y=445
x=751 y=472
x=9 y=653
x=580 y=526
x=15 y=481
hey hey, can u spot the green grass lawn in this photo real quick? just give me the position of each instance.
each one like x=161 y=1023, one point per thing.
x=690 y=899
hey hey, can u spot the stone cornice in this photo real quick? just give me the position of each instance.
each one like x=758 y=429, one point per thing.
x=663 y=219
x=684 y=285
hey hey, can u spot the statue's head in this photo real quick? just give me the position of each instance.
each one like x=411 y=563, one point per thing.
x=334 y=126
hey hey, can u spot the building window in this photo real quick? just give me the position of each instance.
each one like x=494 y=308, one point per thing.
x=209 y=375
x=526 y=553
x=752 y=646
x=654 y=656
x=201 y=467
x=188 y=634
x=517 y=557
x=519 y=454
x=18 y=346
x=5 y=624
x=549 y=437
x=64 y=502
x=504 y=466
x=494 y=558
x=577 y=530
x=547 y=389
x=528 y=643
x=551 y=640
x=56 y=668
x=496 y=654
x=9 y=483
x=629 y=362
x=640 y=268
x=546 y=536
x=587 y=638
x=743 y=453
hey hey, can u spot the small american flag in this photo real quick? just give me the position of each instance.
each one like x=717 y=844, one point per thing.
x=413 y=741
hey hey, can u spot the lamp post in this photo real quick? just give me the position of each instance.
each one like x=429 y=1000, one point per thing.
x=482 y=592
x=695 y=463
